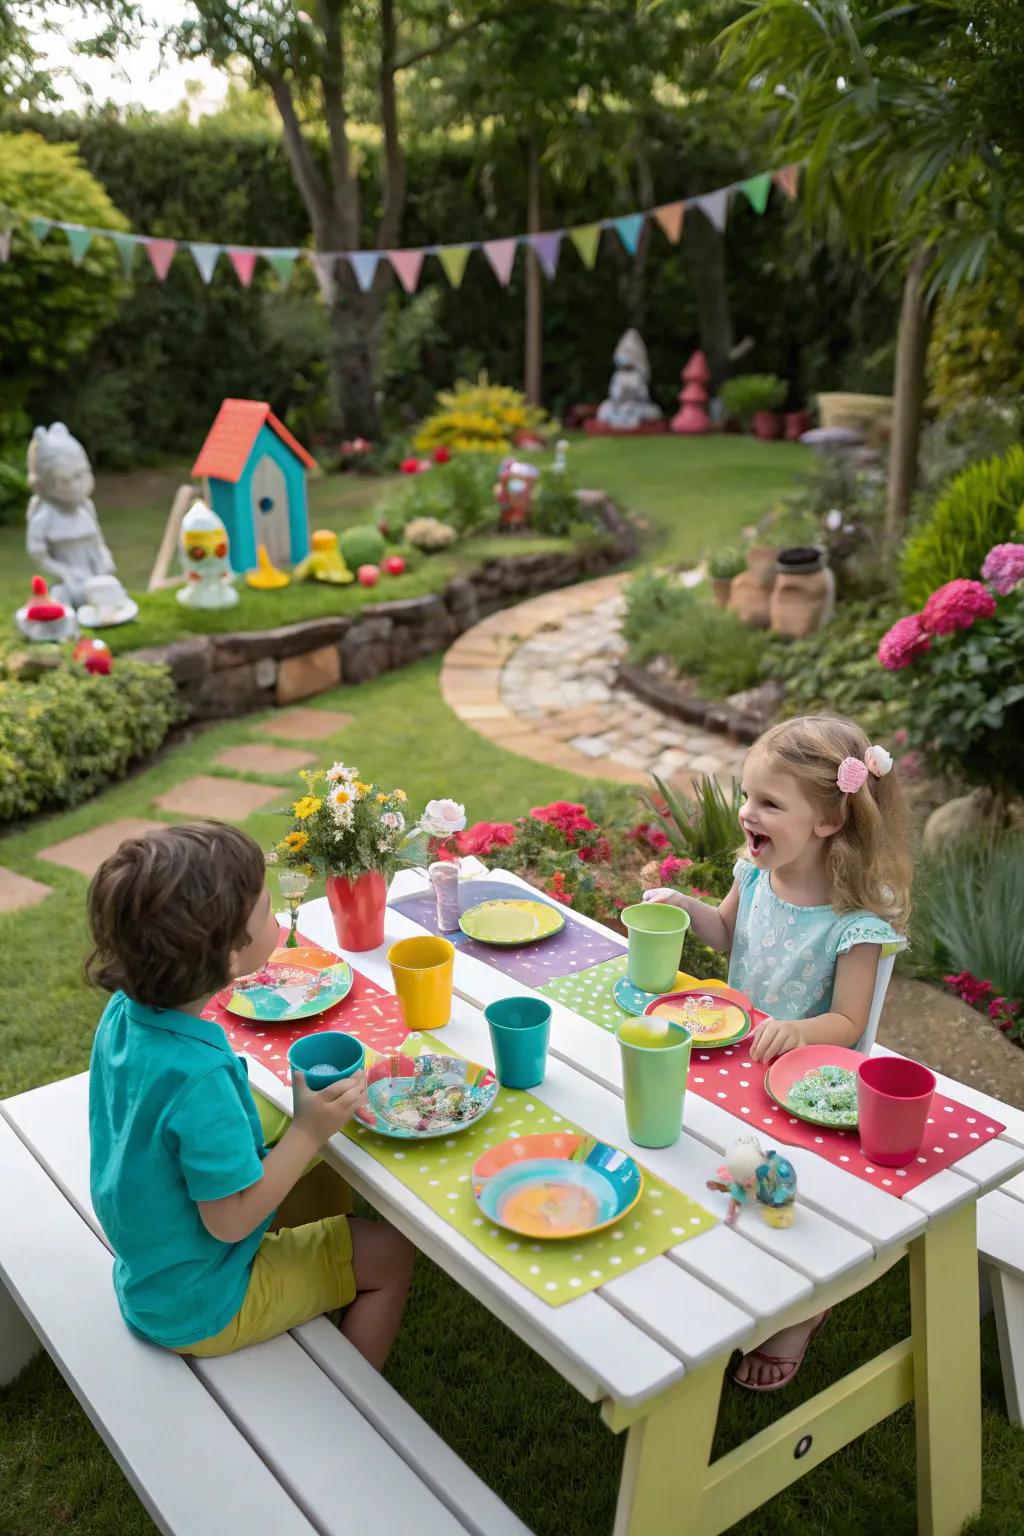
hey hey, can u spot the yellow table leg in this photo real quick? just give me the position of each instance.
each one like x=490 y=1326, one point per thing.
x=667 y=1458
x=947 y=1372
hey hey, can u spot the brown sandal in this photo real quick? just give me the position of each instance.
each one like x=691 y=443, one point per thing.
x=793 y=1361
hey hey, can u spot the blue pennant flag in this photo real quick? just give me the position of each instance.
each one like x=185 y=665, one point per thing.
x=628 y=230
x=364 y=265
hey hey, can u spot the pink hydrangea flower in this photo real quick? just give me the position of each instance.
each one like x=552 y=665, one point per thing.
x=1004 y=567
x=957 y=605
x=907 y=639
x=672 y=866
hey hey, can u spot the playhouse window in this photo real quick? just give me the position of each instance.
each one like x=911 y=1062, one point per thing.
x=266 y=503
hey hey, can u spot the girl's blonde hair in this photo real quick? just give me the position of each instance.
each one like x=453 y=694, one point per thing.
x=868 y=858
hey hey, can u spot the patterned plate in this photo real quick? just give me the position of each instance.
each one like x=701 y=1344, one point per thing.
x=416 y=1097
x=556 y=1186
x=794 y=1066
x=632 y=999
x=284 y=991
x=512 y=922
x=712 y=1018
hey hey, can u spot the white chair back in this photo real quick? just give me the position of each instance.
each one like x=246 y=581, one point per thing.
x=886 y=962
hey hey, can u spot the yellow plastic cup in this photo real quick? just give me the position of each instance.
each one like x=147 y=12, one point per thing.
x=422 y=969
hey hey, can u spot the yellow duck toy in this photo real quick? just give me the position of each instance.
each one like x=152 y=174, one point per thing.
x=266 y=576
x=325 y=562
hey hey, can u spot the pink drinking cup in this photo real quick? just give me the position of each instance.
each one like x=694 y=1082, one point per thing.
x=893 y=1100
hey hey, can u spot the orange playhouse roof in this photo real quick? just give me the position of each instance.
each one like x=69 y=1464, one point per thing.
x=229 y=441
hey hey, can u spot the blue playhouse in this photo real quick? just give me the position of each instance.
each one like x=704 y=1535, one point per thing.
x=255 y=475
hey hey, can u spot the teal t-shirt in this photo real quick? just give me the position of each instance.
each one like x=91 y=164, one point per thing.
x=783 y=956
x=171 y=1122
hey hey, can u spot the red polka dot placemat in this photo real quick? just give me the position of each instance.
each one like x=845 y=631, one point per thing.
x=727 y=1077
x=371 y=1014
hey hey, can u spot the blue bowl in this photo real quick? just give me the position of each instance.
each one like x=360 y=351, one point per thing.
x=325 y=1058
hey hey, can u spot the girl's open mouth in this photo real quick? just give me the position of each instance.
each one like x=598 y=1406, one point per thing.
x=756 y=841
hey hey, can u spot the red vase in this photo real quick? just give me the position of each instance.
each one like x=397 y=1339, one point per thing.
x=767 y=425
x=358 y=907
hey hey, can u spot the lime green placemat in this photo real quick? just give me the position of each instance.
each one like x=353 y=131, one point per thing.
x=589 y=993
x=440 y=1172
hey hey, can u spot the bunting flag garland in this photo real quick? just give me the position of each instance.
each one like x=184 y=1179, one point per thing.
x=407 y=263
x=586 y=238
x=502 y=256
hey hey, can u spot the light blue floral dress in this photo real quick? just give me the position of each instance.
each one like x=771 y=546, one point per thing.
x=783 y=956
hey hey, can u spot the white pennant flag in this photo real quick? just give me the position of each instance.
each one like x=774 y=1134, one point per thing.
x=715 y=207
x=205 y=258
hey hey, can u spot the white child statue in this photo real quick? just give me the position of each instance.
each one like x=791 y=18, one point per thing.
x=629 y=404
x=64 y=535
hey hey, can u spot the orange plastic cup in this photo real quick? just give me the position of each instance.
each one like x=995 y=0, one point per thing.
x=422 y=969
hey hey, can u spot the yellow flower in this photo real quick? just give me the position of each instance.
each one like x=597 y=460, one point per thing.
x=306 y=807
x=382 y=799
x=399 y=795
x=361 y=789
x=294 y=842
x=310 y=776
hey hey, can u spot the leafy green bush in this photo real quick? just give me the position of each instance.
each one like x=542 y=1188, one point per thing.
x=705 y=829
x=725 y=562
x=978 y=509
x=749 y=393
x=555 y=509
x=710 y=645
x=836 y=669
x=14 y=489
x=361 y=545
x=480 y=416
x=62 y=738
x=459 y=493
x=963 y=901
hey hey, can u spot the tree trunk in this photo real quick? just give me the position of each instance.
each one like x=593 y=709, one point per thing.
x=705 y=248
x=533 y=361
x=352 y=356
x=908 y=393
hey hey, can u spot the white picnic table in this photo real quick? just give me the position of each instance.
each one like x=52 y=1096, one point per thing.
x=652 y=1346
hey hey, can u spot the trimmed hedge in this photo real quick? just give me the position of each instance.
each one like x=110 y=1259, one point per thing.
x=66 y=735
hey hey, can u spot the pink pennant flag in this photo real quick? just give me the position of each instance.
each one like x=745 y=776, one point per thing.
x=161 y=254
x=670 y=218
x=502 y=256
x=408 y=265
x=244 y=263
x=788 y=179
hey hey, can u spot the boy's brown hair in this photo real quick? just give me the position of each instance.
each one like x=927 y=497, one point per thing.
x=167 y=909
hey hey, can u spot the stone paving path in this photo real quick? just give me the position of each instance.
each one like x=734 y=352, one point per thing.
x=539 y=680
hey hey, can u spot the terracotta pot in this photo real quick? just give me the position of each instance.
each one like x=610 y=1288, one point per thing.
x=748 y=599
x=804 y=594
x=720 y=587
x=797 y=423
x=358 y=908
x=767 y=425
x=761 y=559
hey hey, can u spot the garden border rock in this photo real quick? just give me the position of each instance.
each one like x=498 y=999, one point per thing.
x=673 y=700
x=219 y=676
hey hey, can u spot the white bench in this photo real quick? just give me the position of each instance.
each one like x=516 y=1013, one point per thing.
x=1001 y=1251
x=295 y=1437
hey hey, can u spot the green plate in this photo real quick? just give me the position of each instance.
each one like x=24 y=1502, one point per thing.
x=511 y=922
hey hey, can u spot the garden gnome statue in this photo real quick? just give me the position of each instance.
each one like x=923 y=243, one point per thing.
x=692 y=418
x=63 y=533
x=629 y=406
x=514 y=492
x=204 y=552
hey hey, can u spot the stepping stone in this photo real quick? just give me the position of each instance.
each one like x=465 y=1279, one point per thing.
x=19 y=891
x=215 y=799
x=254 y=757
x=304 y=724
x=86 y=852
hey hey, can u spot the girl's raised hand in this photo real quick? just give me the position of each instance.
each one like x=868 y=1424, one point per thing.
x=773 y=1038
x=664 y=893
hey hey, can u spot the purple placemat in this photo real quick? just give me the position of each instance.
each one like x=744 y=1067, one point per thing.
x=574 y=949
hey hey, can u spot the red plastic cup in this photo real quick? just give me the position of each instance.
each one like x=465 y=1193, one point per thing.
x=893 y=1100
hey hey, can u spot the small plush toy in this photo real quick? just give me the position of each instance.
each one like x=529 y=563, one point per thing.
x=45 y=619
x=94 y=655
x=325 y=561
x=776 y=1190
x=750 y=1174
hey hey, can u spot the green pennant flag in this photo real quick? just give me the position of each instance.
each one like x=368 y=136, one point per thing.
x=757 y=189
x=282 y=262
x=125 y=245
x=40 y=227
x=79 y=241
x=453 y=258
x=586 y=238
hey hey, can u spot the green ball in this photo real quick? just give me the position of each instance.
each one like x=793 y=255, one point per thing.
x=361 y=546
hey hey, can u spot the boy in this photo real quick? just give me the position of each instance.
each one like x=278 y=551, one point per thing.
x=182 y=1182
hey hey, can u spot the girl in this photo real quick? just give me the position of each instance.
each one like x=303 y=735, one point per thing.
x=824 y=883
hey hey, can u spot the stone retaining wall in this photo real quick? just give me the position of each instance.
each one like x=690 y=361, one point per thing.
x=223 y=675
x=673 y=700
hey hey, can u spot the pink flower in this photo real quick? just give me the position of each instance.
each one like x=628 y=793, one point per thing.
x=442 y=454
x=911 y=765
x=906 y=640
x=414 y=466
x=1004 y=567
x=672 y=866
x=957 y=605
x=852 y=775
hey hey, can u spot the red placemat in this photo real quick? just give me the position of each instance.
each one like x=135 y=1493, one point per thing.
x=371 y=1014
x=728 y=1078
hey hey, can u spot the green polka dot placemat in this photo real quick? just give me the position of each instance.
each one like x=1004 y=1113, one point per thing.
x=589 y=993
x=439 y=1171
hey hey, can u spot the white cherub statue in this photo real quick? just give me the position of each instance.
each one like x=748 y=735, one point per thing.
x=64 y=535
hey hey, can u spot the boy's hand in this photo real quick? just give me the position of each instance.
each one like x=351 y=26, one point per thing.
x=666 y=896
x=773 y=1038
x=321 y=1114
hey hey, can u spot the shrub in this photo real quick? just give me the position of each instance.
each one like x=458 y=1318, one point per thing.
x=705 y=829
x=555 y=509
x=836 y=670
x=710 y=645
x=979 y=509
x=361 y=545
x=752 y=392
x=726 y=562
x=977 y=342
x=65 y=736
x=480 y=416
x=429 y=533
x=14 y=489
x=459 y=493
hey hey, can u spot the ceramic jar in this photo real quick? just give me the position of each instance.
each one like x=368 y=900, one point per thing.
x=803 y=596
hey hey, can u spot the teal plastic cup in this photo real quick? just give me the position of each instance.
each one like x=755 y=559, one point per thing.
x=323 y=1059
x=654 y=1065
x=656 y=934
x=520 y=1028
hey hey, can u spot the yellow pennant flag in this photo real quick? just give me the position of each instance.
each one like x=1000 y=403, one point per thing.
x=586 y=238
x=453 y=258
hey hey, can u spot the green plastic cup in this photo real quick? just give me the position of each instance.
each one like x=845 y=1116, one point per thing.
x=654 y=1063
x=656 y=934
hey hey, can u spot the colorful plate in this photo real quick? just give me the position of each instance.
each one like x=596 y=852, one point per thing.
x=712 y=1018
x=511 y=922
x=790 y=1068
x=416 y=1097
x=633 y=999
x=284 y=991
x=556 y=1186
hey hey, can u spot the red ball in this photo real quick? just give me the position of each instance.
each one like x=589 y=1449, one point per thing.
x=368 y=575
x=94 y=655
x=394 y=565
x=442 y=455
